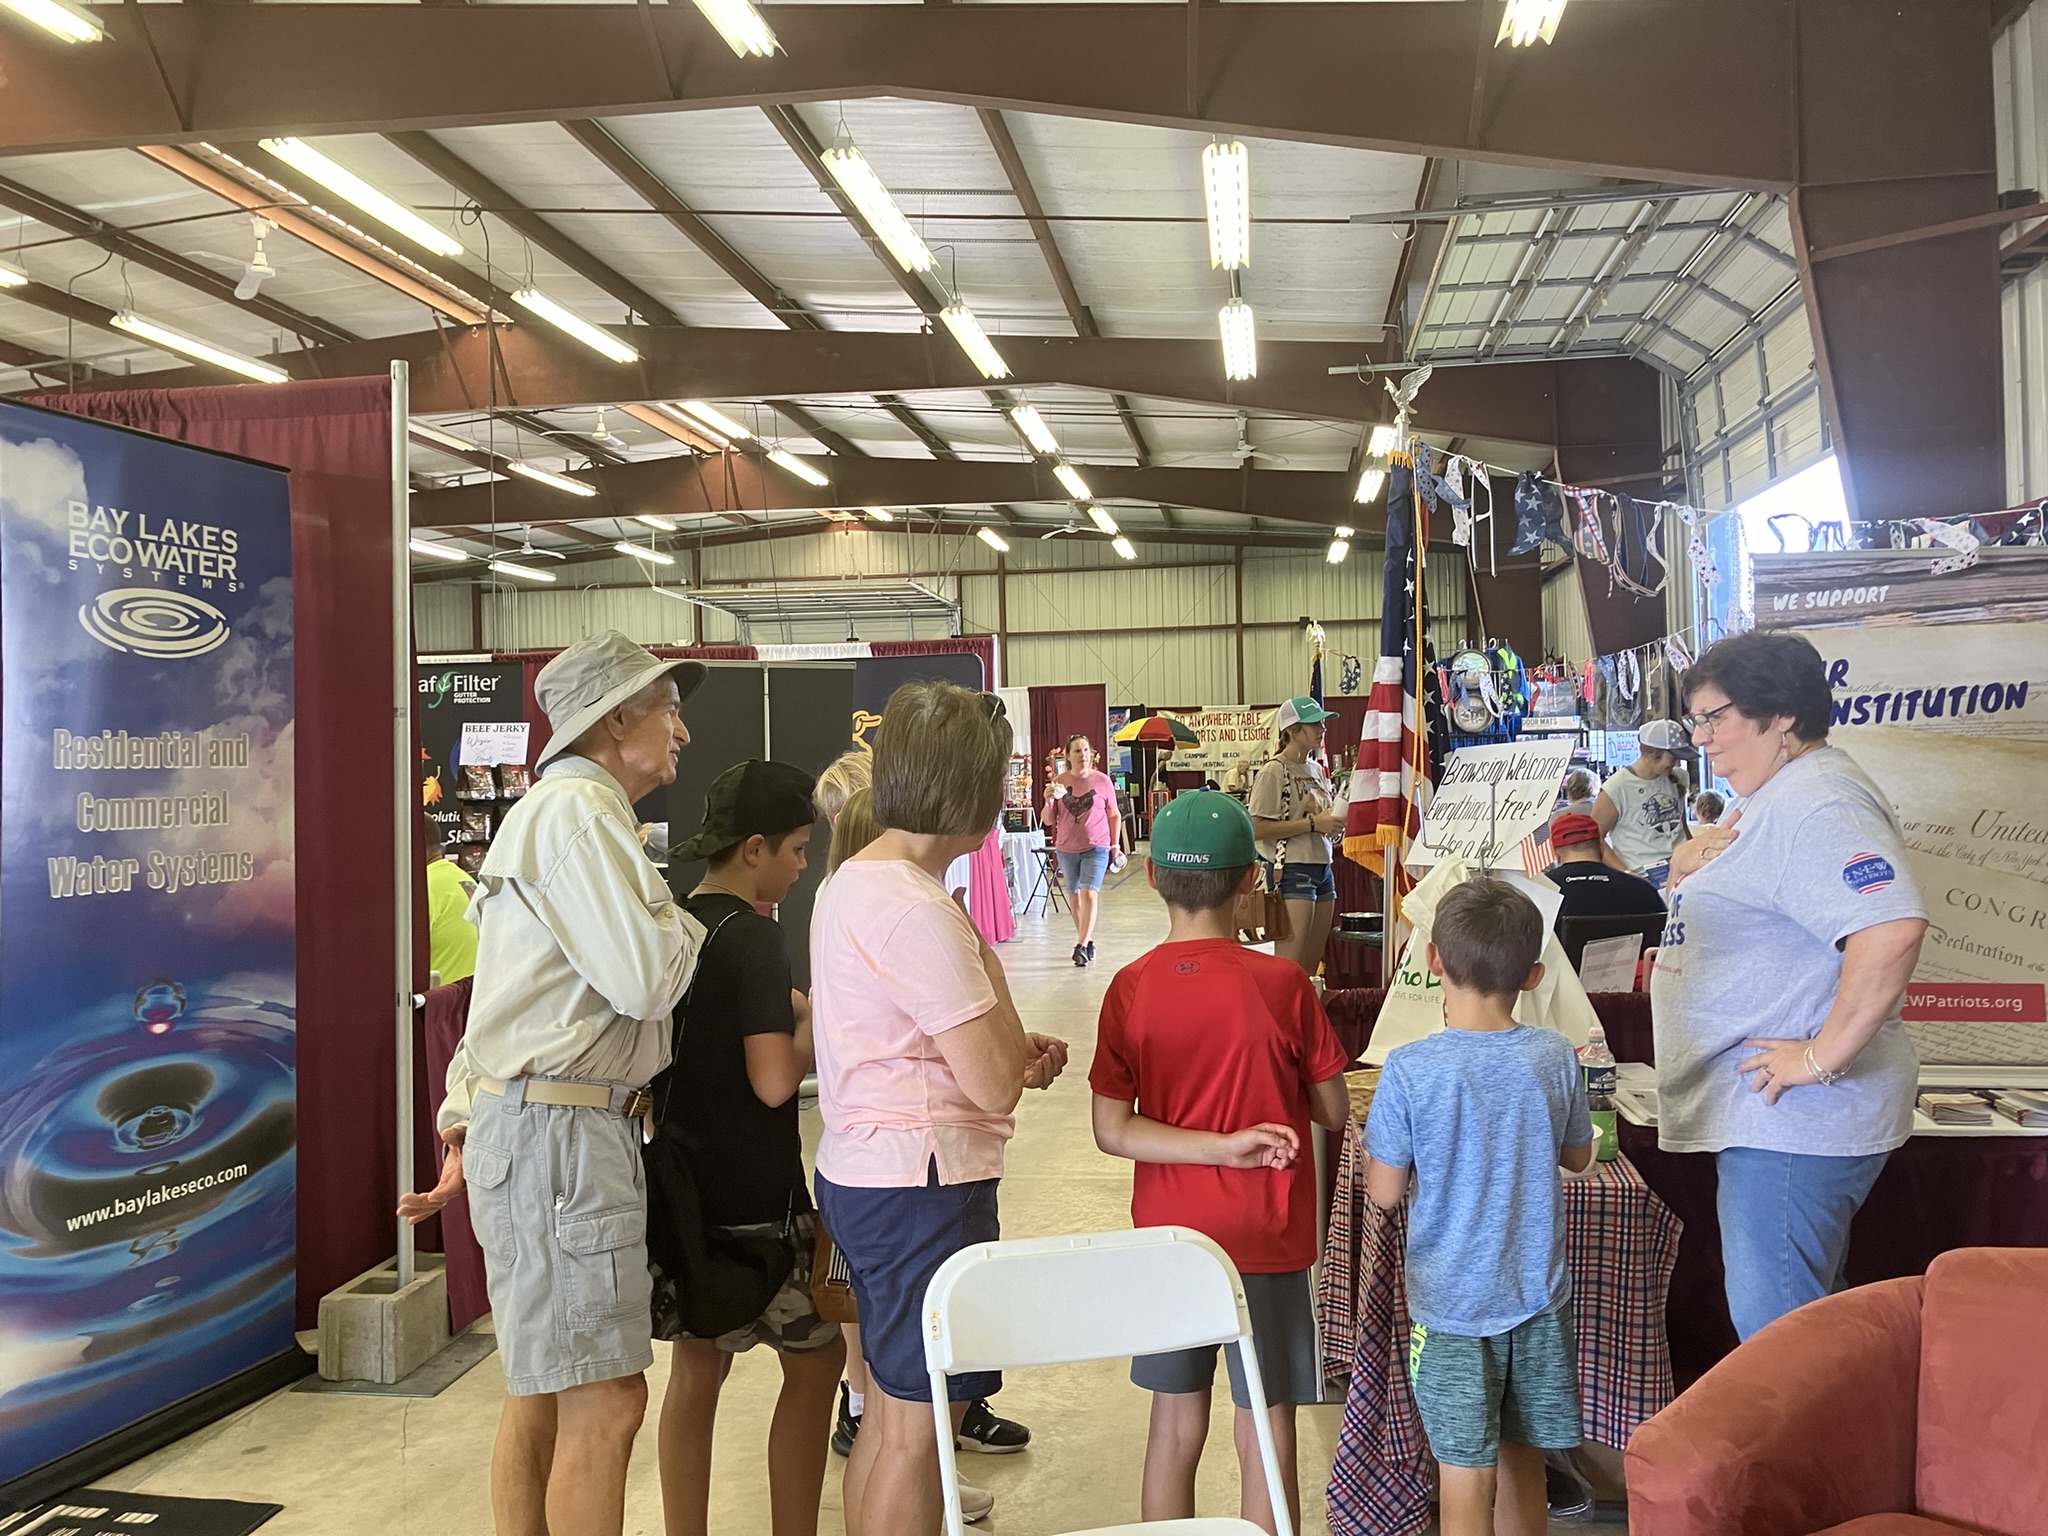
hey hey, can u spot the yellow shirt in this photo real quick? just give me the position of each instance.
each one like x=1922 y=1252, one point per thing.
x=451 y=936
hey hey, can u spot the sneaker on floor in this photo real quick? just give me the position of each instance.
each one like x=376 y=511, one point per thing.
x=1080 y=954
x=847 y=1426
x=982 y=1429
x=975 y=1503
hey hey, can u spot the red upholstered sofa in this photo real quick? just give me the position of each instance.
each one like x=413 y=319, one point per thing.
x=1905 y=1408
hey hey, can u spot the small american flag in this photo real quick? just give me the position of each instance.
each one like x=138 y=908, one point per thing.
x=1535 y=852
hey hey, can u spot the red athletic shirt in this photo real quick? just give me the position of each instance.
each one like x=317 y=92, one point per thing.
x=1211 y=1036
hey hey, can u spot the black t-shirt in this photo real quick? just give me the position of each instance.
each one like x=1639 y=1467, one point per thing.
x=1595 y=890
x=747 y=1158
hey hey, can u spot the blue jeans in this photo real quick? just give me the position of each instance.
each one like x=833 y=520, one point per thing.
x=1083 y=871
x=1785 y=1227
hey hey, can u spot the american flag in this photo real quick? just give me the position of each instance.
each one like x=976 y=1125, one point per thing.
x=1535 y=852
x=1387 y=786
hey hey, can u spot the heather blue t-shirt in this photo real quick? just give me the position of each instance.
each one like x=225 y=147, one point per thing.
x=1481 y=1118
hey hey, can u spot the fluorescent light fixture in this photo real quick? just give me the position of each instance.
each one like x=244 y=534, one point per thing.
x=1123 y=547
x=1071 y=479
x=428 y=433
x=9 y=277
x=1240 y=341
x=526 y=572
x=1530 y=21
x=1342 y=532
x=993 y=540
x=1227 y=189
x=597 y=339
x=1100 y=517
x=549 y=477
x=796 y=466
x=974 y=341
x=651 y=556
x=351 y=188
x=438 y=551
x=203 y=351
x=1386 y=437
x=880 y=514
x=59 y=19
x=706 y=418
x=1339 y=548
x=661 y=523
x=864 y=189
x=679 y=595
x=1370 y=483
x=745 y=33
x=1035 y=431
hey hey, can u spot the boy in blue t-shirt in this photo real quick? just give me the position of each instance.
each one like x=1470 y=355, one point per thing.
x=1485 y=1112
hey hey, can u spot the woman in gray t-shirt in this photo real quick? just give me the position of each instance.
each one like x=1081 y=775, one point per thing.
x=1295 y=816
x=1794 y=929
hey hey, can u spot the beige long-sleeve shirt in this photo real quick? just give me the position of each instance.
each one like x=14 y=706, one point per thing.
x=582 y=951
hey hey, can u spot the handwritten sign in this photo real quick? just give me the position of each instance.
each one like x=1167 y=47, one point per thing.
x=1490 y=799
x=486 y=742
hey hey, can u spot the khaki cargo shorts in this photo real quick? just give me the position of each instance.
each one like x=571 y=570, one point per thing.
x=559 y=1205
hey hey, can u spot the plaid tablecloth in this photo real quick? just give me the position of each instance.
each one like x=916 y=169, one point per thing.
x=1620 y=1244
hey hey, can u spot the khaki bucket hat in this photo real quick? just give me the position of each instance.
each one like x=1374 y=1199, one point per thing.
x=595 y=676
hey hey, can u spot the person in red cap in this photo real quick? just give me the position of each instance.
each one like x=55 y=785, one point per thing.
x=1591 y=887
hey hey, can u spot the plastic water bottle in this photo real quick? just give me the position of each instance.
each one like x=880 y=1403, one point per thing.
x=1596 y=1062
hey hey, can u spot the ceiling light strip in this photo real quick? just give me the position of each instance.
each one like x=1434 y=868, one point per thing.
x=745 y=32
x=863 y=188
x=981 y=352
x=1226 y=189
x=1240 y=340
x=801 y=468
x=59 y=19
x=549 y=478
x=599 y=340
x=524 y=572
x=351 y=188
x=160 y=335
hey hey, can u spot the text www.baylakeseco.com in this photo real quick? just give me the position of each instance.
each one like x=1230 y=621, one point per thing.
x=163 y=1194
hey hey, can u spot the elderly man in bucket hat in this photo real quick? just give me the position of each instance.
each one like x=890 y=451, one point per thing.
x=581 y=954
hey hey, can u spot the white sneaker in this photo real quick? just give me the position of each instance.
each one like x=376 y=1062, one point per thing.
x=975 y=1503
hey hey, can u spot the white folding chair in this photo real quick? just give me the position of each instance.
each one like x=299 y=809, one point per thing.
x=1092 y=1296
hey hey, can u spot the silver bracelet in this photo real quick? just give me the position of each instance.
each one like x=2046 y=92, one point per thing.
x=1821 y=1074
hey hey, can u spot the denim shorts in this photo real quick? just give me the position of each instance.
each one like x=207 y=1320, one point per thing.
x=894 y=1241
x=1083 y=871
x=1304 y=882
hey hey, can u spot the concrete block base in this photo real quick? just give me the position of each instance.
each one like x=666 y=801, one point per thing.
x=373 y=1329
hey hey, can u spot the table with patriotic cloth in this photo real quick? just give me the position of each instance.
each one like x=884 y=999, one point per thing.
x=1621 y=1242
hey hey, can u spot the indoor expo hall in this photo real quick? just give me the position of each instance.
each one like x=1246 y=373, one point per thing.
x=1056 y=768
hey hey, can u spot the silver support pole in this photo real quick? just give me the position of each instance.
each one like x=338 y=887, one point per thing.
x=403 y=793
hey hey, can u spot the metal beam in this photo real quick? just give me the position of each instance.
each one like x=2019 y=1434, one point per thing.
x=1005 y=146
x=116 y=241
x=1697 y=94
x=1512 y=402
x=684 y=487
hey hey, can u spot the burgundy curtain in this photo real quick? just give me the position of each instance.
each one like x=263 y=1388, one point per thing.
x=1077 y=709
x=983 y=646
x=335 y=437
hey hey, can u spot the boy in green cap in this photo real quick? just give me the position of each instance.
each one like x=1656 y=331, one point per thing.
x=1230 y=1055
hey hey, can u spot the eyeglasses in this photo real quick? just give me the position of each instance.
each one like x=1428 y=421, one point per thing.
x=996 y=707
x=1708 y=721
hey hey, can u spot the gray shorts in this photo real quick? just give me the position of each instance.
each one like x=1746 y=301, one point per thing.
x=1283 y=1332
x=1473 y=1393
x=559 y=1206
x=791 y=1324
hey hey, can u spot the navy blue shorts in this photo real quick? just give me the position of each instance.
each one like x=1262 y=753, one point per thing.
x=1304 y=882
x=894 y=1241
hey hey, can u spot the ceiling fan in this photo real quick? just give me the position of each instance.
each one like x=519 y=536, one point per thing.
x=604 y=435
x=526 y=548
x=1070 y=526
x=1244 y=450
x=259 y=267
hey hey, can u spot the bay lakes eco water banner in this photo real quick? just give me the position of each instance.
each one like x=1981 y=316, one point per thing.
x=147 y=890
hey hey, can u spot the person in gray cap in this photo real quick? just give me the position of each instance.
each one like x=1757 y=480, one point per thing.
x=581 y=953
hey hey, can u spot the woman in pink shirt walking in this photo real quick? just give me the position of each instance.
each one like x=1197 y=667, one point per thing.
x=921 y=1059
x=1087 y=830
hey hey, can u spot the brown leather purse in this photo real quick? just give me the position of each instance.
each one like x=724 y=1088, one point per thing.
x=831 y=1280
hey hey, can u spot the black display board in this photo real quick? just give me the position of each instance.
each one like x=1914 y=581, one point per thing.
x=809 y=708
x=445 y=699
x=727 y=725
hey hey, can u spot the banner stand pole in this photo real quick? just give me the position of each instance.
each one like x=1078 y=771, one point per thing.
x=404 y=794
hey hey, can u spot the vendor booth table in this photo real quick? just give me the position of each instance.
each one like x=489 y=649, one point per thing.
x=1621 y=1242
x=1936 y=1192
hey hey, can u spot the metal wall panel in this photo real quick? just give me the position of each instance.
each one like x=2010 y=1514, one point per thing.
x=1194 y=667
x=1137 y=597
x=440 y=617
x=2020 y=78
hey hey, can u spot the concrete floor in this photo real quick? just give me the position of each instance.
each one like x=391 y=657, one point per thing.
x=344 y=1464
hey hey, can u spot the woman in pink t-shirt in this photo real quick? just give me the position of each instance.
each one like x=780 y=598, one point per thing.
x=921 y=1059
x=1086 y=825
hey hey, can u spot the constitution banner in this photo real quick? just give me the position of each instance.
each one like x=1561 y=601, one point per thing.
x=147 y=982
